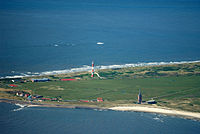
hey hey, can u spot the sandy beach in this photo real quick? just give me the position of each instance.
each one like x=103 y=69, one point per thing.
x=160 y=110
x=134 y=108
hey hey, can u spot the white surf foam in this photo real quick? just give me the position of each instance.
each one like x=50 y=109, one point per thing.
x=158 y=119
x=88 y=68
x=17 y=109
x=21 y=107
x=15 y=76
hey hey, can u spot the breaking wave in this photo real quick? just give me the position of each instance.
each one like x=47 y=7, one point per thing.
x=158 y=119
x=21 y=107
x=88 y=68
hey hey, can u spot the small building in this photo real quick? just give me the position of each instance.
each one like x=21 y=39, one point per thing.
x=39 y=96
x=40 y=80
x=13 y=85
x=21 y=94
x=26 y=95
x=30 y=98
x=84 y=100
x=44 y=99
x=67 y=79
x=151 y=102
x=99 y=100
x=139 y=97
x=54 y=99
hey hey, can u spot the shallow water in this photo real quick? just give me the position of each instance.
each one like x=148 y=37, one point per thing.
x=79 y=121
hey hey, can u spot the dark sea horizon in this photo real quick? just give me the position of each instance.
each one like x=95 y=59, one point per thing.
x=39 y=36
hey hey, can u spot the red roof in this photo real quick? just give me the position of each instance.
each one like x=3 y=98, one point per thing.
x=67 y=79
x=12 y=85
x=84 y=100
x=46 y=99
x=99 y=100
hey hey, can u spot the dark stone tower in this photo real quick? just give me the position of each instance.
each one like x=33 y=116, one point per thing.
x=139 y=97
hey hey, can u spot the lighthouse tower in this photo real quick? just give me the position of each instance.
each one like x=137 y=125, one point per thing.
x=92 y=75
x=139 y=97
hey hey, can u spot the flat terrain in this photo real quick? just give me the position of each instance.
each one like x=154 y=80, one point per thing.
x=175 y=86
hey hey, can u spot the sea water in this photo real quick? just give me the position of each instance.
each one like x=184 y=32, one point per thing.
x=23 y=120
x=39 y=36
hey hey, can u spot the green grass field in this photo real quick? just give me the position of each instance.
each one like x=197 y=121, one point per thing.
x=117 y=89
x=176 y=86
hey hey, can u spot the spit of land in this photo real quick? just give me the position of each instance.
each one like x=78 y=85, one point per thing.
x=174 y=87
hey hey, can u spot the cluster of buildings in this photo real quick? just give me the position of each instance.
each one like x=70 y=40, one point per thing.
x=30 y=97
x=22 y=94
x=95 y=100
x=41 y=98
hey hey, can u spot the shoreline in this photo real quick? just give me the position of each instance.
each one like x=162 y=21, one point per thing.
x=124 y=104
x=30 y=104
x=159 y=110
x=86 y=68
x=132 y=108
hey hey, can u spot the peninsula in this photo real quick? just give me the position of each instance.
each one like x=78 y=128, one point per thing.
x=175 y=88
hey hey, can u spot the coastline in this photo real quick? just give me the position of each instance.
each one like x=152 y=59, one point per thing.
x=30 y=104
x=86 y=68
x=132 y=108
x=159 y=110
x=117 y=106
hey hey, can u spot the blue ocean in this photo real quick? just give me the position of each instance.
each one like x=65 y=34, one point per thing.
x=55 y=36
x=38 y=120
x=45 y=36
